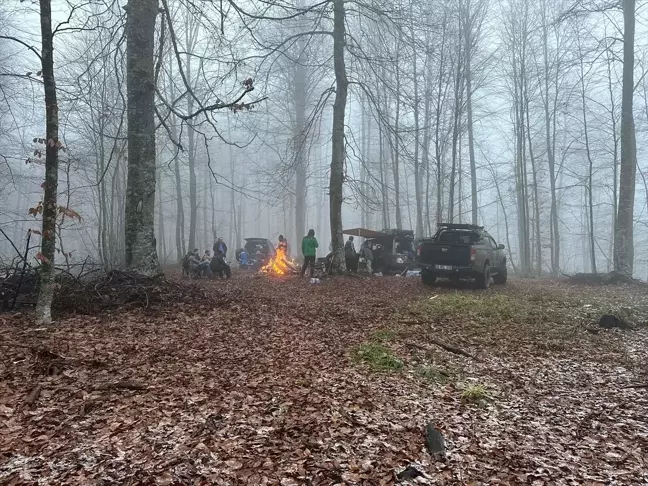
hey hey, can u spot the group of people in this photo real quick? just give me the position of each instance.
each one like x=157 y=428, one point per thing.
x=351 y=256
x=214 y=265
x=208 y=266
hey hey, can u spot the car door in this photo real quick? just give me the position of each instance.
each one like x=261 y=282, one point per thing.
x=483 y=251
x=497 y=253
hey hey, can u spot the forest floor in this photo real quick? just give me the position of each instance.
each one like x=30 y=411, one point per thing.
x=285 y=382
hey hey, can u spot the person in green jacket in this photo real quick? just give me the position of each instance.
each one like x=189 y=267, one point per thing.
x=309 y=249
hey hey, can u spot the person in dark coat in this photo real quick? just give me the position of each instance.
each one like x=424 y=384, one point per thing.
x=350 y=255
x=219 y=266
x=220 y=246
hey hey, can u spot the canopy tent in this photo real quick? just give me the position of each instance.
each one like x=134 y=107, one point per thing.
x=365 y=233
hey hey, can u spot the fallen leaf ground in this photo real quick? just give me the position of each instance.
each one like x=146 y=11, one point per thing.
x=284 y=382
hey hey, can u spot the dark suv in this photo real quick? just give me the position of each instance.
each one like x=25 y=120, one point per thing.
x=462 y=251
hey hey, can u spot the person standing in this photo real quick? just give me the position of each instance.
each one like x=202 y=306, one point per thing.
x=309 y=249
x=350 y=255
x=367 y=254
x=220 y=247
x=283 y=245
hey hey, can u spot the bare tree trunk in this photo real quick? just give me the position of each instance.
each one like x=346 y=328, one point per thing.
x=469 y=18
x=458 y=91
x=427 y=119
x=141 y=253
x=518 y=38
x=103 y=217
x=213 y=206
x=551 y=144
x=191 y=151
x=460 y=175
x=336 y=186
x=191 y=34
x=116 y=215
x=590 y=164
x=205 y=218
x=383 y=178
x=438 y=153
x=160 y=234
x=50 y=204
x=615 y=154
x=396 y=143
x=536 y=199
x=363 y=165
x=623 y=237
x=299 y=148
x=180 y=216
x=417 y=139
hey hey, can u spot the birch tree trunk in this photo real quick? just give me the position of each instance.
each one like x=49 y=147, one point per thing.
x=48 y=236
x=141 y=254
x=623 y=236
x=336 y=184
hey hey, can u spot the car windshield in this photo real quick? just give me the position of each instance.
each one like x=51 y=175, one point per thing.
x=256 y=246
x=457 y=237
x=404 y=246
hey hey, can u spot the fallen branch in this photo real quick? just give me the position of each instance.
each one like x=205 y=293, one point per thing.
x=454 y=350
x=637 y=385
x=447 y=347
x=120 y=385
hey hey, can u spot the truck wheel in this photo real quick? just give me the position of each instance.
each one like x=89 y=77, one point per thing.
x=483 y=280
x=428 y=277
x=501 y=277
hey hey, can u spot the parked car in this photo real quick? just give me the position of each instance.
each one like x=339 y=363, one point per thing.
x=259 y=251
x=393 y=249
x=462 y=251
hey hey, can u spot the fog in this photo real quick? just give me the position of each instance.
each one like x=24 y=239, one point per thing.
x=504 y=113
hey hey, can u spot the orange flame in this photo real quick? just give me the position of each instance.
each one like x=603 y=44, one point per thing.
x=279 y=264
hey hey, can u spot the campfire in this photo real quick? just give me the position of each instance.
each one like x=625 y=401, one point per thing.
x=280 y=264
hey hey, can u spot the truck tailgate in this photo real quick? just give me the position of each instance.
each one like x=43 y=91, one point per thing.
x=445 y=254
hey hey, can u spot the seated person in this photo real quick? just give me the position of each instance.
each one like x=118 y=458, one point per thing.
x=196 y=266
x=243 y=258
x=219 y=266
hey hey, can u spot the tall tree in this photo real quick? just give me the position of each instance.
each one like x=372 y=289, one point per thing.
x=623 y=236
x=336 y=185
x=141 y=253
x=52 y=146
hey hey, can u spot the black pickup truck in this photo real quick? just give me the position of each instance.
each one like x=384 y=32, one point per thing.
x=462 y=251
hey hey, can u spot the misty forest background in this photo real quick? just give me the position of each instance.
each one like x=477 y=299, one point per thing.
x=507 y=113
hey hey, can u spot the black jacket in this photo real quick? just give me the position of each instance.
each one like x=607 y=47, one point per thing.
x=217 y=244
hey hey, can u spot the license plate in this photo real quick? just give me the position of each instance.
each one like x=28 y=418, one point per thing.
x=443 y=267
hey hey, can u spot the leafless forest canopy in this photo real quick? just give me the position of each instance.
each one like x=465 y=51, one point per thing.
x=273 y=117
